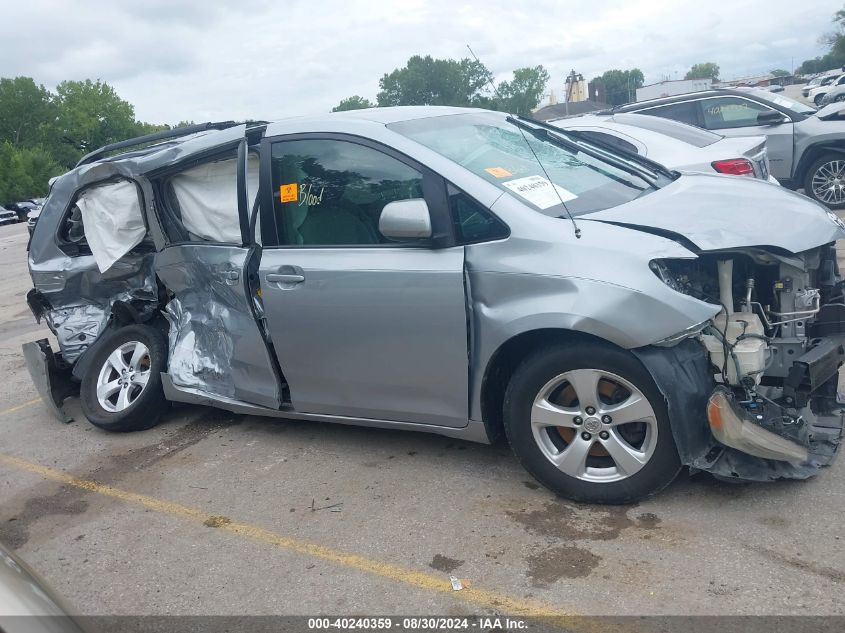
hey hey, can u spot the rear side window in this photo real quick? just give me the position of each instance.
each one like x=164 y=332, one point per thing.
x=685 y=112
x=72 y=234
x=203 y=200
x=332 y=192
x=106 y=221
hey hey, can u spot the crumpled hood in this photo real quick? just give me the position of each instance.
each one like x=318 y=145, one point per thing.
x=719 y=212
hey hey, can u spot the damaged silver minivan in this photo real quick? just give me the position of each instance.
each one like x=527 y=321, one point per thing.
x=453 y=271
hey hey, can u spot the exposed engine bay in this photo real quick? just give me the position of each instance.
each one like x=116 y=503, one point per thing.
x=774 y=349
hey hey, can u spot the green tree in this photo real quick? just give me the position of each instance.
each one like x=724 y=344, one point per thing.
x=621 y=85
x=43 y=134
x=705 y=70
x=429 y=81
x=820 y=64
x=25 y=171
x=523 y=93
x=353 y=103
x=90 y=114
x=25 y=109
x=779 y=72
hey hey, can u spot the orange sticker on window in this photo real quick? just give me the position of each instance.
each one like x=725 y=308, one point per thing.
x=498 y=172
x=288 y=193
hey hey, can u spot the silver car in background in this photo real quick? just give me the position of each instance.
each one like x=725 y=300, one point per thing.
x=675 y=145
x=835 y=95
x=818 y=93
x=806 y=146
x=452 y=271
x=7 y=216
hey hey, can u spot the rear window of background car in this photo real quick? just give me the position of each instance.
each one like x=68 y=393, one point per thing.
x=685 y=112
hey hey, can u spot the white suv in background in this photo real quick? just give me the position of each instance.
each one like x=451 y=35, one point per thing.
x=817 y=94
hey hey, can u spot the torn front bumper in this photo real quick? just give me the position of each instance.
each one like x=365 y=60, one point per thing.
x=51 y=376
x=684 y=377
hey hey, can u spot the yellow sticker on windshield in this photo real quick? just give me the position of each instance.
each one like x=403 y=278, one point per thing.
x=288 y=193
x=498 y=172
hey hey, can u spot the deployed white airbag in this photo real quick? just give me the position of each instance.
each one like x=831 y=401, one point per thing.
x=208 y=198
x=111 y=215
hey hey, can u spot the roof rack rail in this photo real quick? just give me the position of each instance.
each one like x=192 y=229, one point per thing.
x=155 y=136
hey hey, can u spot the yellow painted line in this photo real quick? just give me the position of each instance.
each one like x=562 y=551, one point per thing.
x=486 y=598
x=22 y=405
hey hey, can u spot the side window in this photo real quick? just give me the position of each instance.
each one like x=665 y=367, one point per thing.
x=106 y=221
x=72 y=233
x=203 y=200
x=329 y=192
x=729 y=112
x=610 y=139
x=685 y=112
x=471 y=221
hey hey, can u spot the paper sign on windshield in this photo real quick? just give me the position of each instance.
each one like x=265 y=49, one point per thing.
x=538 y=191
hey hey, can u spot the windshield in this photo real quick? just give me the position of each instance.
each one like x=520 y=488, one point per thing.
x=494 y=149
x=783 y=102
x=677 y=130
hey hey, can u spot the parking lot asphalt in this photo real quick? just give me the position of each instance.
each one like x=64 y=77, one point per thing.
x=215 y=513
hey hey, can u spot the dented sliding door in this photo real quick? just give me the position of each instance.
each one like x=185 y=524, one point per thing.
x=216 y=345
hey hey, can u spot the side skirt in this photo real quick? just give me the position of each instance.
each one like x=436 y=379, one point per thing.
x=474 y=431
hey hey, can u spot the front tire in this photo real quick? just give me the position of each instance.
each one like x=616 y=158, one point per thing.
x=825 y=181
x=122 y=390
x=588 y=422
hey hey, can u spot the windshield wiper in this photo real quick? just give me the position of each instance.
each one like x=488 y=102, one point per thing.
x=632 y=163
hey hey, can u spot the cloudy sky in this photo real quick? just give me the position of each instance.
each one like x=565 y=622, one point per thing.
x=265 y=59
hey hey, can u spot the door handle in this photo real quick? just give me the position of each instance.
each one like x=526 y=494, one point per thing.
x=281 y=278
x=231 y=277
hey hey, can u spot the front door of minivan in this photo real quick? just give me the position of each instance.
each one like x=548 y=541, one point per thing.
x=363 y=327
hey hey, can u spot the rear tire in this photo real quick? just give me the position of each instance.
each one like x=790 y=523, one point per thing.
x=122 y=390
x=565 y=415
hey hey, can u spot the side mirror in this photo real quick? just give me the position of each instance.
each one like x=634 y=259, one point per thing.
x=770 y=117
x=405 y=219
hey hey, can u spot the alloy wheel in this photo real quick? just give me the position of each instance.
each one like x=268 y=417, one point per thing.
x=124 y=376
x=828 y=182
x=594 y=425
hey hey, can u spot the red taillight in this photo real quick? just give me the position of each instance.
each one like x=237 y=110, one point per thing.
x=734 y=167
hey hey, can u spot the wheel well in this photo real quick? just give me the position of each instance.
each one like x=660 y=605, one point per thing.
x=507 y=358
x=811 y=155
